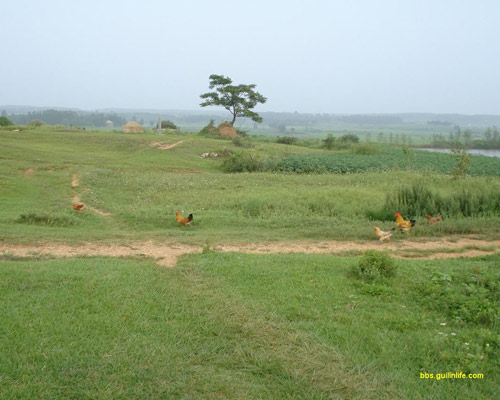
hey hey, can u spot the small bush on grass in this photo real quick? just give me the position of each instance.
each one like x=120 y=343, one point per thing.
x=374 y=265
x=4 y=121
x=287 y=140
x=329 y=142
x=242 y=162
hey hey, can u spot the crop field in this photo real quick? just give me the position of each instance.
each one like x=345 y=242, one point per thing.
x=258 y=297
x=387 y=160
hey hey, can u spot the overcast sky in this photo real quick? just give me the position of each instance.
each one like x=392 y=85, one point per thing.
x=337 y=56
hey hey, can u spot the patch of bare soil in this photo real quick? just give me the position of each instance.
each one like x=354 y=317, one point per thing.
x=166 y=254
x=163 y=146
x=29 y=171
x=75 y=182
x=439 y=248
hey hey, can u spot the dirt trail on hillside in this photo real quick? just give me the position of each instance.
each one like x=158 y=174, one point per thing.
x=166 y=253
x=163 y=146
x=75 y=183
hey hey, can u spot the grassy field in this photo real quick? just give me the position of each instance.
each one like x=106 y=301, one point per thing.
x=244 y=326
x=234 y=325
x=141 y=186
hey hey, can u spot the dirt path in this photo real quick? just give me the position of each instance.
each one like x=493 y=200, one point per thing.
x=166 y=253
x=75 y=183
x=163 y=146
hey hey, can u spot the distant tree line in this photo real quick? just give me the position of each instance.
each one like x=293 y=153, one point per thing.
x=490 y=139
x=371 y=119
x=68 y=118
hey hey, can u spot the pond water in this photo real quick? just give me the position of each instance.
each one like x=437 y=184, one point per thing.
x=487 y=153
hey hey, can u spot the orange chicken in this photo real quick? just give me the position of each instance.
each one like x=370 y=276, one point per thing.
x=77 y=207
x=433 y=220
x=184 y=221
x=403 y=225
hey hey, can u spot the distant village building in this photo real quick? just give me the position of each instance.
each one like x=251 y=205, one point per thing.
x=110 y=123
x=132 y=127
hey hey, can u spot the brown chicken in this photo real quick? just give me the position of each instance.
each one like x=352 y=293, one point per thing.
x=433 y=220
x=184 y=221
x=77 y=207
x=383 y=235
x=403 y=225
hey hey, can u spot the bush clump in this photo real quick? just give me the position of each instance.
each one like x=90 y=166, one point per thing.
x=168 y=125
x=287 y=140
x=374 y=265
x=4 y=121
x=242 y=162
x=329 y=142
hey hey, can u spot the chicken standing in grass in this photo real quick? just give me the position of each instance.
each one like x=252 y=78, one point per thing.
x=403 y=225
x=383 y=235
x=184 y=221
x=433 y=220
x=77 y=207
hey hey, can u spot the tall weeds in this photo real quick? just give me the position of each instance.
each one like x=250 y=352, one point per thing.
x=418 y=199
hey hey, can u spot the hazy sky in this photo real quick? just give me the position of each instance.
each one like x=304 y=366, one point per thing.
x=338 y=56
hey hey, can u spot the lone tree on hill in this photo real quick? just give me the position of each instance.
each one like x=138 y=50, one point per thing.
x=238 y=100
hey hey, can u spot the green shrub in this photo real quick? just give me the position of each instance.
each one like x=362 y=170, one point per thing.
x=287 y=140
x=349 y=138
x=374 y=265
x=168 y=125
x=329 y=142
x=4 y=121
x=242 y=162
x=462 y=161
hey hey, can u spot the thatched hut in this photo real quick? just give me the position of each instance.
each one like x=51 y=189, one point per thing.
x=132 y=127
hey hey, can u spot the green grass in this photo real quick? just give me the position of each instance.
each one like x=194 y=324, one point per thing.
x=142 y=186
x=229 y=325
x=241 y=326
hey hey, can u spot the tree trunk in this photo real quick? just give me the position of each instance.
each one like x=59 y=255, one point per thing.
x=234 y=117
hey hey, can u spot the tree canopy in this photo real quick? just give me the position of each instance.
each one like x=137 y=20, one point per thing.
x=239 y=100
x=4 y=121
